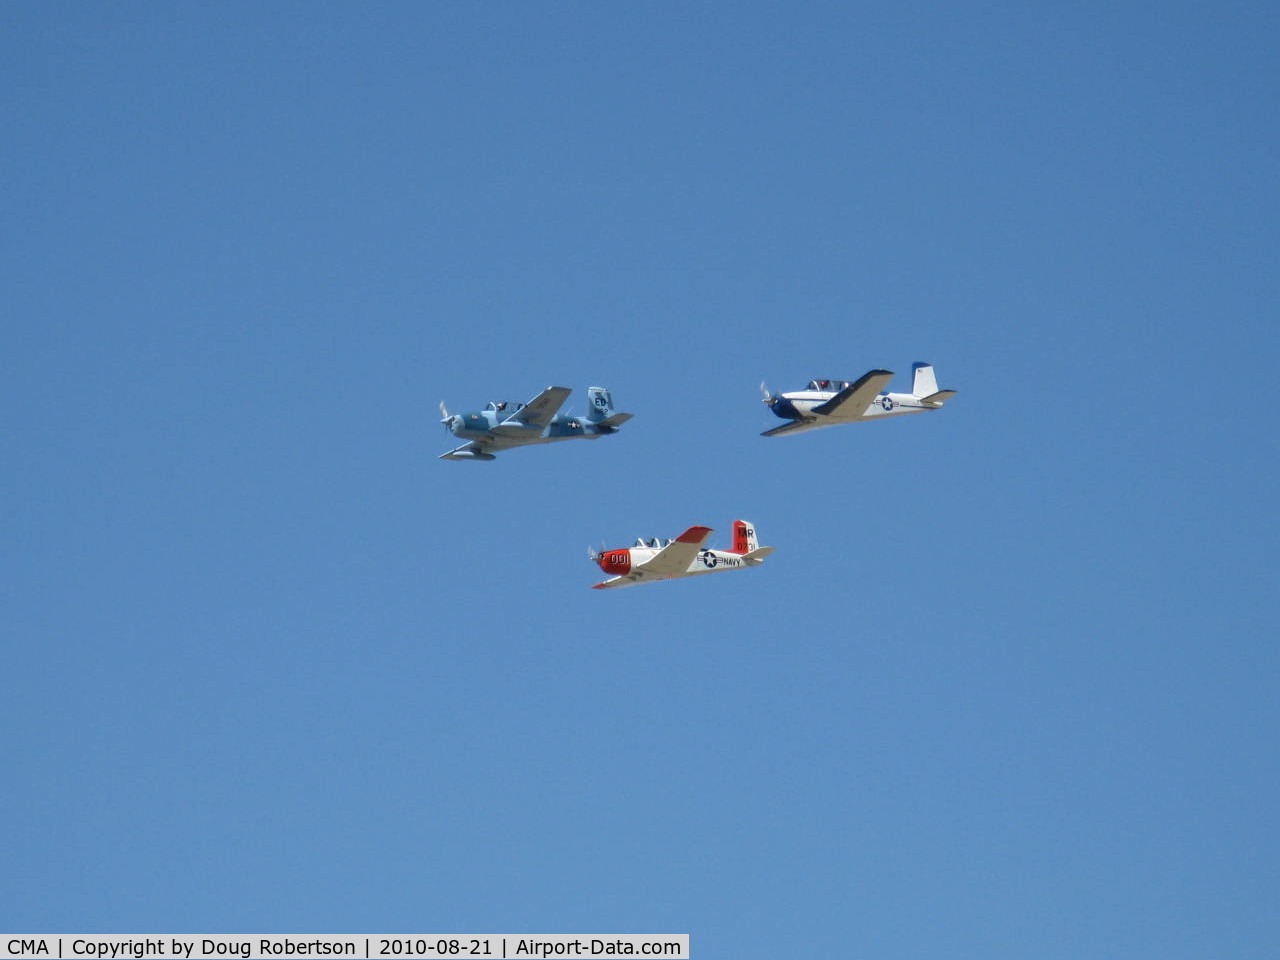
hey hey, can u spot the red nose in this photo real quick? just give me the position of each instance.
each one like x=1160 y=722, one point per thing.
x=616 y=562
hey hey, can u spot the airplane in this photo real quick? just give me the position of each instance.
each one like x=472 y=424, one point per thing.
x=502 y=425
x=829 y=403
x=685 y=556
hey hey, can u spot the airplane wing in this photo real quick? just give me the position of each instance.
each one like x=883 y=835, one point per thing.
x=539 y=411
x=627 y=581
x=796 y=426
x=475 y=450
x=675 y=557
x=855 y=398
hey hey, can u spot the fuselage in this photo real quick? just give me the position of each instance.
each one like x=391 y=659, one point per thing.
x=619 y=563
x=799 y=405
x=488 y=424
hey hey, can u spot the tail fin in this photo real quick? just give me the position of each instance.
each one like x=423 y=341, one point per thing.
x=599 y=404
x=744 y=537
x=925 y=383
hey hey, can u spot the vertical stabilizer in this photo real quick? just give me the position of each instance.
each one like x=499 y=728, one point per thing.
x=925 y=383
x=744 y=537
x=599 y=404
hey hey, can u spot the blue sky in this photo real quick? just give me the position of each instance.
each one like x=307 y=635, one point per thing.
x=1007 y=686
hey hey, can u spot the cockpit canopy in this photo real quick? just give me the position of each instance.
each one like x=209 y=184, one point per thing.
x=503 y=406
x=834 y=386
x=656 y=543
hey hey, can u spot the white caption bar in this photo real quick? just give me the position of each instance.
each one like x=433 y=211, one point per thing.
x=495 y=946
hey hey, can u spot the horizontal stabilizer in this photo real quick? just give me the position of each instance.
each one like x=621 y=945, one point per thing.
x=758 y=554
x=617 y=420
x=939 y=398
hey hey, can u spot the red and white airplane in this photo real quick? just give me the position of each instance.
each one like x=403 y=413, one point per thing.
x=685 y=556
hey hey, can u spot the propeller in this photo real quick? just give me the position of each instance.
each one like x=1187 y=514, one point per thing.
x=593 y=554
x=445 y=414
x=768 y=397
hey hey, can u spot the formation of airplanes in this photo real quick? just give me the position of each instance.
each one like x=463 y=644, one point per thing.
x=502 y=425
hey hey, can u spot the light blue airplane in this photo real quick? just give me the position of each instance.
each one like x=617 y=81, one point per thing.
x=502 y=425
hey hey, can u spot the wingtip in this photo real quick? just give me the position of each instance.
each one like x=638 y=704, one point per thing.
x=694 y=535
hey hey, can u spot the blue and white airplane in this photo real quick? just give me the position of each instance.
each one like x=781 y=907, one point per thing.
x=829 y=403
x=502 y=425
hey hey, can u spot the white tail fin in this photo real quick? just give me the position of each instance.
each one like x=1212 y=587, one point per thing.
x=925 y=383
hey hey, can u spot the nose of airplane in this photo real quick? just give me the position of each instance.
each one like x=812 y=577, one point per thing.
x=615 y=562
x=784 y=408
